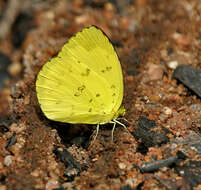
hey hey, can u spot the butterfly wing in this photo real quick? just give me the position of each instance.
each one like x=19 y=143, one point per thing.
x=84 y=83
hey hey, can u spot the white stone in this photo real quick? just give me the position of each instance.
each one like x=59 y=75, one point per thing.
x=8 y=160
x=122 y=166
x=167 y=111
x=173 y=64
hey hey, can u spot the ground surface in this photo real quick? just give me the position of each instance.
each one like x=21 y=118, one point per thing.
x=152 y=38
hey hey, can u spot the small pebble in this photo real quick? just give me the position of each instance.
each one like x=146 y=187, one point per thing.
x=130 y=182
x=155 y=72
x=35 y=173
x=8 y=160
x=122 y=166
x=94 y=159
x=172 y=64
x=167 y=110
x=67 y=185
x=15 y=68
x=81 y=19
x=173 y=146
x=181 y=39
x=50 y=15
x=52 y=184
x=3 y=187
x=1 y=163
x=195 y=107
x=181 y=172
x=16 y=148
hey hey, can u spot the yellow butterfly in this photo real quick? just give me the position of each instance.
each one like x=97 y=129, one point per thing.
x=84 y=82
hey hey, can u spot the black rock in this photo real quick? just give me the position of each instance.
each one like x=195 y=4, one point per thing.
x=148 y=136
x=191 y=140
x=22 y=25
x=191 y=171
x=5 y=123
x=155 y=165
x=190 y=77
x=126 y=187
x=11 y=141
x=59 y=188
x=170 y=51
x=73 y=168
x=181 y=155
x=4 y=63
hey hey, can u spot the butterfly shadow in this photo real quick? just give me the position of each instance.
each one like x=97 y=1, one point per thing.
x=78 y=134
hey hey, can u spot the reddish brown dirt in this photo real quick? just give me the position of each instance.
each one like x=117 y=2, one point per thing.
x=148 y=37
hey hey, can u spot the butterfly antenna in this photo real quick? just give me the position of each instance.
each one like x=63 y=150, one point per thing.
x=97 y=130
x=125 y=120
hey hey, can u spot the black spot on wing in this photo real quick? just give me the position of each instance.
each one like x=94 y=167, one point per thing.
x=86 y=73
x=77 y=94
x=113 y=86
x=108 y=68
x=81 y=88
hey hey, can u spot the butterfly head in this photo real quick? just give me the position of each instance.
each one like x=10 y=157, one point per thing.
x=120 y=112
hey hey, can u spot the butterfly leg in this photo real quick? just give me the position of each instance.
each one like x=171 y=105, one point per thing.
x=114 y=124
x=121 y=125
x=97 y=129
